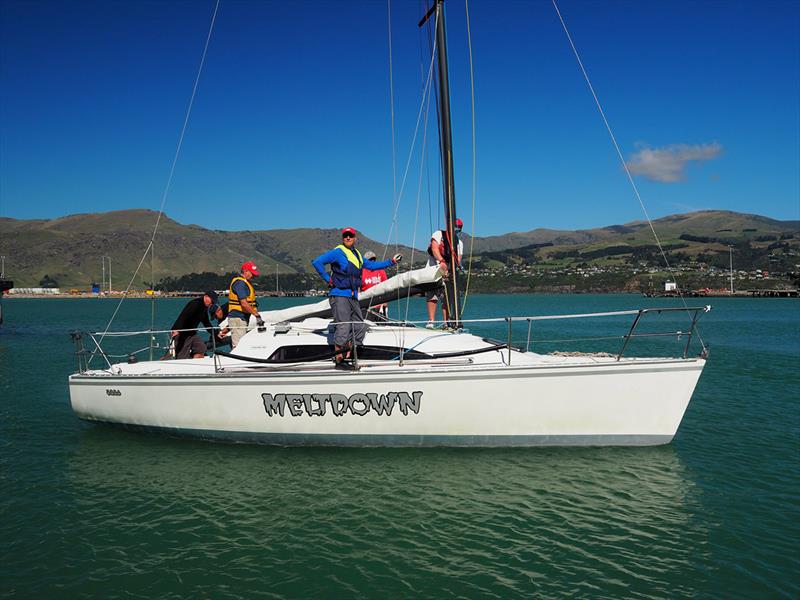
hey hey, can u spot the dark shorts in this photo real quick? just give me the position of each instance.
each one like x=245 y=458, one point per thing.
x=435 y=294
x=193 y=345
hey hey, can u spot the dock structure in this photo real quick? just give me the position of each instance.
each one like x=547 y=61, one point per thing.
x=266 y=293
x=765 y=293
x=774 y=293
x=5 y=285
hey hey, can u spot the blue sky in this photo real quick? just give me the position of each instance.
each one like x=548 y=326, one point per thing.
x=291 y=123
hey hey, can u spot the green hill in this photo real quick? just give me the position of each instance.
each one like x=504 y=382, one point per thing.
x=717 y=223
x=69 y=249
x=625 y=257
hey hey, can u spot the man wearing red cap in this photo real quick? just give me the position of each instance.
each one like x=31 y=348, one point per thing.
x=345 y=280
x=440 y=252
x=242 y=302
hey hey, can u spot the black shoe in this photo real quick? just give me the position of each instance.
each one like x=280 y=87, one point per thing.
x=346 y=365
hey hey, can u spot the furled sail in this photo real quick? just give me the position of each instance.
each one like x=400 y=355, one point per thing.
x=402 y=285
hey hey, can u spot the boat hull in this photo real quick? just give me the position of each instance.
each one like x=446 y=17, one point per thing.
x=613 y=403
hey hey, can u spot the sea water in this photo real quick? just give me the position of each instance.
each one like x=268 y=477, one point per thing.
x=93 y=510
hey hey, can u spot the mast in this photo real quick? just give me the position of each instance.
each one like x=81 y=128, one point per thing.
x=448 y=181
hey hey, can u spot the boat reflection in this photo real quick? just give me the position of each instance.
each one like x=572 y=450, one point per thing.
x=499 y=514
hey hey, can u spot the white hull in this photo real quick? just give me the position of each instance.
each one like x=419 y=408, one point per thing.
x=571 y=402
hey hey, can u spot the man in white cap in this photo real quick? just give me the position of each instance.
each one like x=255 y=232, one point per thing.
x=440 y=253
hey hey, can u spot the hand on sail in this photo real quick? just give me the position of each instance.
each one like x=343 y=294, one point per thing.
x=397 y=258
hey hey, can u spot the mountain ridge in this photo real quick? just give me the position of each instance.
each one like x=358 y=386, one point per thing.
x=69 y=248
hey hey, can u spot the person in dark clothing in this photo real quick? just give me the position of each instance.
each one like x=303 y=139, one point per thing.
x=193 y=347
x=196 y=311
x=223 y=335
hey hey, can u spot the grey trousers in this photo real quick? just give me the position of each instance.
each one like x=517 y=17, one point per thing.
x=345 y=311
x=237 y=327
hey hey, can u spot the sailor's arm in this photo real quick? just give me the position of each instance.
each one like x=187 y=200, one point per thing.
x=377 y=265
x=247 y=309
x=438 y=255
x=322 y=260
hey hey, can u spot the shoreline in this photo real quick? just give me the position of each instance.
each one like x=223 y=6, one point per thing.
x=750 y=293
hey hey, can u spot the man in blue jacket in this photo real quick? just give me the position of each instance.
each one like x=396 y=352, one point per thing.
x=345 y=280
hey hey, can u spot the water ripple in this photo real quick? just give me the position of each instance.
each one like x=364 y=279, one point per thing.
x=97 y=511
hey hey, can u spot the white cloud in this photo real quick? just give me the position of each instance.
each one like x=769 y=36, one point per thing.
x=668 y=164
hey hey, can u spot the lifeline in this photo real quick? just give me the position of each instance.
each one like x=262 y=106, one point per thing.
x=316 y=405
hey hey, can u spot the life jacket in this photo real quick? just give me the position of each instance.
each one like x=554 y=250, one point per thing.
x=445 y=248
x=350 y=278
x=234 y=302
x=371 y=278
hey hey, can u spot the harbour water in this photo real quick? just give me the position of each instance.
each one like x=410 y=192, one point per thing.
x=91 y=510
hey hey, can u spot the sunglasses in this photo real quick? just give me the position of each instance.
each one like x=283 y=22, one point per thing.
x=348 y=235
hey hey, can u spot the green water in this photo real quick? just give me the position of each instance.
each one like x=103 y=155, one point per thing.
x=91 y=510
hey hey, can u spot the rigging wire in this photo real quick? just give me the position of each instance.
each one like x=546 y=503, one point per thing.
x=422 y=82
x=438 y=170
x=391 y=109
x=474 y=159
x=446 y=162
x=432 y=46
x=422 y=159
x=410 y=155
x=399 y=196
x=391 y=114
x=391 y=103
x=622 y=160
x=152 y=297
x=171 y=171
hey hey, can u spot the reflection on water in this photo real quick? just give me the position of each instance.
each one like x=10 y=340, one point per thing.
x=460 y=521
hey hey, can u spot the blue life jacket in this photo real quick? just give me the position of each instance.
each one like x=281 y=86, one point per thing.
x=349 y=279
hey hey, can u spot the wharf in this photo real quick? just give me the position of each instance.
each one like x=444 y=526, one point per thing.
x=771 y=293
x=774 y=293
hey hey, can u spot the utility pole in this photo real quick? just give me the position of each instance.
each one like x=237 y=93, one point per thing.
x=277 y=289
x=103 y=284
x=104 y=258
x=3 y=267
x=730 y=254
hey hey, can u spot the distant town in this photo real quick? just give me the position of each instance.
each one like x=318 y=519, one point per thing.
x=692 y=278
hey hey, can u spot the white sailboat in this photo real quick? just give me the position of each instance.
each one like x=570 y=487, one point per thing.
x=412 y=386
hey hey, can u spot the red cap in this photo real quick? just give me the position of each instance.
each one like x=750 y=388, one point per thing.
x=349 y=230
x=249 y=266
x=459 y=223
